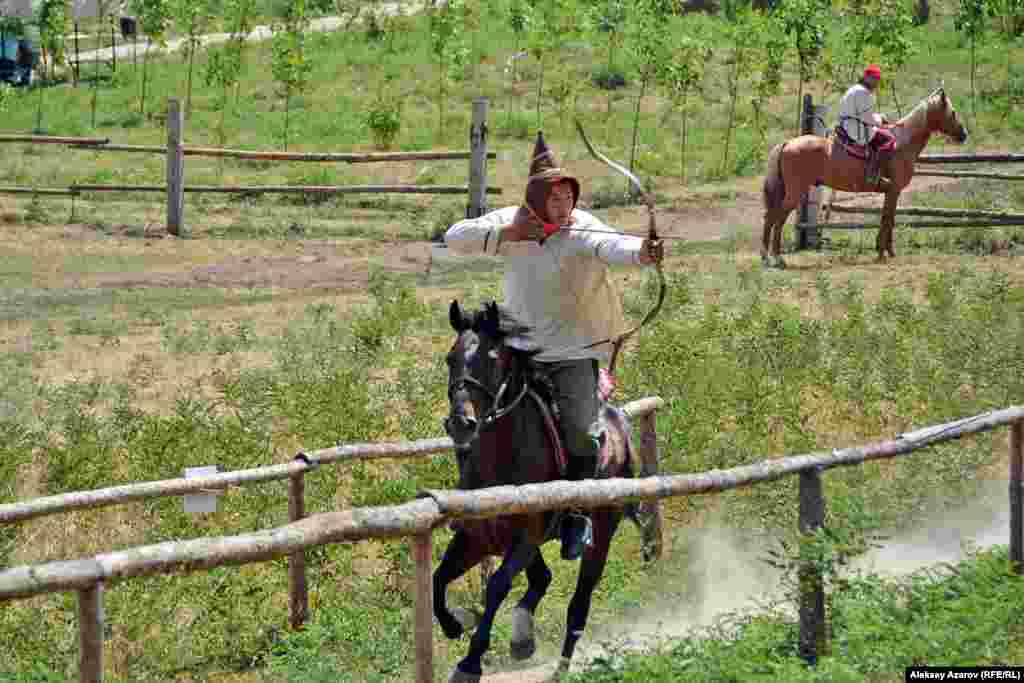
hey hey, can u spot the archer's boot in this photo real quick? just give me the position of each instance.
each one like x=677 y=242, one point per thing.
x=577 y=531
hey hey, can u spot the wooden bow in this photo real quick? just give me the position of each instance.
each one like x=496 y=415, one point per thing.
x=652 y=235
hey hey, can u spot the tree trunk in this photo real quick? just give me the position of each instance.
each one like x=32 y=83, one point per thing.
x=682 y=141
x=922 y=12
x=540 y=90
x=800 y=104
x=287 y=109
x=636 y=128
x=974 y=106
x=733 y=92
x=188 y=87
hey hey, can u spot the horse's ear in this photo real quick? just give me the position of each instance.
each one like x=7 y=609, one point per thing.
x=455 y=317
x=494 y=315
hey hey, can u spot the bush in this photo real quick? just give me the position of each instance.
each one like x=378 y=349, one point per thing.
x=384 y=119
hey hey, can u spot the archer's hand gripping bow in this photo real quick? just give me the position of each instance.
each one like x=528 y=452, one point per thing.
x=652 y=235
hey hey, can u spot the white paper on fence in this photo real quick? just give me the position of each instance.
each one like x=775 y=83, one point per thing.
x=201 y=502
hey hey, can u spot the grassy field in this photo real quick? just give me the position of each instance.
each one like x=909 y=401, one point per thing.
x=281 y=324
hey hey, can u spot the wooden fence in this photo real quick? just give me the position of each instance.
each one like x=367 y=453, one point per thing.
x=175 y=150
x=809 y=228
x=417 y=520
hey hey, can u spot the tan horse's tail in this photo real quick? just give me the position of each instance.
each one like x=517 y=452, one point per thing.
x=774 y=184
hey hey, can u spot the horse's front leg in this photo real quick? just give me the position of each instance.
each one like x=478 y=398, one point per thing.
x=459 y=558
x=591 y=569
x=538 y=575
x=520 y=556
x=892 y=199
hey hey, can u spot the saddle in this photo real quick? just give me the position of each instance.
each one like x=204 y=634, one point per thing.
x=614 y=422
x=858 y=150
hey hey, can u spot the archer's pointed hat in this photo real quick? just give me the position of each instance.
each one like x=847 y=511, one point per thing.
x=544 y=172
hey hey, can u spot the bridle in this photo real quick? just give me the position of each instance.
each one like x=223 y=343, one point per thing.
x=458 y=394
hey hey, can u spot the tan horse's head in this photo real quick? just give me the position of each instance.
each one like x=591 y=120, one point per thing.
x=942 y=117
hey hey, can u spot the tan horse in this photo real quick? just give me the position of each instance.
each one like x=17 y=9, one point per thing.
x=798 y=164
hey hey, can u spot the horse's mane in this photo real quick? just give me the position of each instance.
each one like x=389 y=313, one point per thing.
x=507 y=324
x=919 y=114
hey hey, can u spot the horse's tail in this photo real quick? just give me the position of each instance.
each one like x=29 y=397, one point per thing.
x=774 y=184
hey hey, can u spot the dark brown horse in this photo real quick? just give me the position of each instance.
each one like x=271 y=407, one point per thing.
x=507 y=441
x=800 y=163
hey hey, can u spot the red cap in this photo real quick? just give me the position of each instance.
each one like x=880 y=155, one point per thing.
x=873 y=70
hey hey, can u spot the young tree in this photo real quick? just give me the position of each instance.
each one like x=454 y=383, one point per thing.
x=449 y=46
x=52 y=22
x=610 y=19
x=152 y=16
x=886 y=25
x=290 y=65
x=649 y=44
x=805 y=22
x=768 y=42
x=553 y=24
x=238 y=17
x=683 y=71
x=971 y=18
x=742 y=60
x=192 y=17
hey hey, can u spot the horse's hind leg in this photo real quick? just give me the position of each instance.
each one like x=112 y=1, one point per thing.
x=459 y=558
x=520 y=556
x=591 y=569
x=771 y=244
x=539 y=576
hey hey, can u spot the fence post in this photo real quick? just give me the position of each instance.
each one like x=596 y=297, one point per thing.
x=478 y=161
x=813 y=641
x=297 y=589
x=175 y=168
x=1016 y=499
x=90 y=634
x=809 y=237
x=422 y=550
x=651 y=512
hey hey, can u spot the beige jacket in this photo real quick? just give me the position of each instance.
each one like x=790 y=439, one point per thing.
x=561 y=289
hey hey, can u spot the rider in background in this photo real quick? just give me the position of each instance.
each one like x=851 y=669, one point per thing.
x=860 y=122
x=557 y=283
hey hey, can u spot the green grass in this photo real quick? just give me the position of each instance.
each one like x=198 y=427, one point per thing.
x=741 y=354
x=957 y=616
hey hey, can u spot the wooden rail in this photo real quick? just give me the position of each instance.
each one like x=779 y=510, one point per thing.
x=968 y=174
x=176 y=150
x=934 y=213
x=287 y=189
x=255 y=155
x=418 y=518
x=970 y=159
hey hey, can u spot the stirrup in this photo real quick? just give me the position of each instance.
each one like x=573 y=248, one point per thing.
x=575 y=540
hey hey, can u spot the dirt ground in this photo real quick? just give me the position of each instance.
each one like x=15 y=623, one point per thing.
x=693 y=216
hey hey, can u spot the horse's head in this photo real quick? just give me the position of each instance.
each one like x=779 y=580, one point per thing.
x=480 y=368
x=942 y=117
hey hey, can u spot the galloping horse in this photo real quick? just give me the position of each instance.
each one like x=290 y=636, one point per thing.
x=798 y=164
x=510 y=440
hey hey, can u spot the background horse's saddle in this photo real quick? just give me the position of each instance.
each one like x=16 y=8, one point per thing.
x=856 y=149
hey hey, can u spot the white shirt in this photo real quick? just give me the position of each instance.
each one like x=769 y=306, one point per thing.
x=561 y=289
x=857 y=113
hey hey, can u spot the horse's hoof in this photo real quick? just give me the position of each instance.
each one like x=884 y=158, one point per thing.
x=460 y=676
x=562 y=671
x=469 y=619
x=523 y=642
